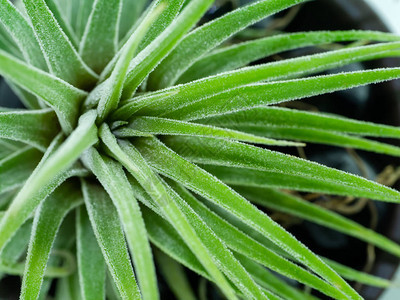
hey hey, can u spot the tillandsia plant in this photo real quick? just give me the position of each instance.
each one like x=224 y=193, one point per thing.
x=145 y=144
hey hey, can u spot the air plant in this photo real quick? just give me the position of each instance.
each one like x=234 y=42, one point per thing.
x=146 y=141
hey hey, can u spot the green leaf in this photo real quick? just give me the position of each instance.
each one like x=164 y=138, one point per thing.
x=161 y=126
x=16 y=168
x=101 y=29
x=36 y=128
x=160 y=102
x=61 y=56
x=50 y=173
x=84 y=10
x=175 y=277
x=113 y=179
x=131 y=10
x=62 y=21
x=239 y=55
x=298 y=207
x=263 y=94
x=22 y=33
x=131 y=159
x=64 y=98
x=279 y=116
x=241 y=243
x=151 y=56
x=112 y=94
x=107 y=228
x=17 y=246
x=207 y=37
x=29 y=100
x=323 y=137
x=236 y=154
x=91 y=266
x=172 y=165
x=271 y=282
x=47 y=220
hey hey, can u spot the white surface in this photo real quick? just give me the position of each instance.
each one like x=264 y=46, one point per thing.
x=389 y=10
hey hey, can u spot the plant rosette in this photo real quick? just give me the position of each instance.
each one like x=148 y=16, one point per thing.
x=147 y=142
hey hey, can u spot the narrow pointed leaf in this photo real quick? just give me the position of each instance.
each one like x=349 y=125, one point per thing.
x=239 y=55
x=130 y=13
x=47 y=220
x=112 y=177
x=245 y=156
x=36 y=128
x=63 y=21
x=16 y=168
x=161 y=126
x=131 y=159
x=151 y=56
x=175 y=277
x=159 y=102
x=111 y=96
x=239 y=242
x=107 y=228
x=50 y=173
x=22 y=33
x=279 y=116
x=91 y=265
x=295 y=206
x=84 y=10
x=64 y=98
x=263 y=94
x=101 y=29
x=210 y=35
x=215 y=191
x=61 y=57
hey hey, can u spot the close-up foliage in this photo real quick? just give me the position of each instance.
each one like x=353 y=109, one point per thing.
x=160 y=151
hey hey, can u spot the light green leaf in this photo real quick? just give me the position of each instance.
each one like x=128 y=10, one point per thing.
x=17 y=246
x=271 y=282
x=16 y=168
x=91 y=266
x=174 y=166
x=36 y=128
x=101 y=29
x=48 y=219
x=64 y=98
x=107 y=228
x=239 y=242
x=207 y=37
x=61 y=56
x=151 y=56
x=113 y=179
x=161 y=126
x=22 y=33
x=239 y=55
x=112 y=94
x=175 y=276
x=160 y=102
x=245 y=156
x=280 y=117
x=131 y=10
x=84 y=10
x=298 y=207
x=263 y=94
x=62 y=21
x=50 y=173
x=29 y=100
x=131 y=159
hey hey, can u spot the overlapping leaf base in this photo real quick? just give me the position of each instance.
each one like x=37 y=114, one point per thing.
x=144 y=146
